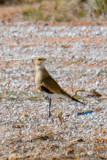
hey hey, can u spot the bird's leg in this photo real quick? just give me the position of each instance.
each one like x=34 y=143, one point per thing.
x=49 y=106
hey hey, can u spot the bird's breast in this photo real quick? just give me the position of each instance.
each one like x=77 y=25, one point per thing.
x=38 y=77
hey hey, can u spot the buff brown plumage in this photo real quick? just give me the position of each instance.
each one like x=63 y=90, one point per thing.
x=47 y=84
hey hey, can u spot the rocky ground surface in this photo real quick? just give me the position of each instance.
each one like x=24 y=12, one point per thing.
x=77 y=60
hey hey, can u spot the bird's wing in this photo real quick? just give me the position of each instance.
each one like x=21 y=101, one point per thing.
x=49 y=85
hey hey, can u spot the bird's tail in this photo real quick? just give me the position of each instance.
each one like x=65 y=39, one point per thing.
x=70 y=97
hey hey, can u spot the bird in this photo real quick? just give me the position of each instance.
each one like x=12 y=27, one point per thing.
x=47 y=84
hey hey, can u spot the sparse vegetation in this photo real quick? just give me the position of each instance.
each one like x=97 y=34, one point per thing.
x=64 y=10
x=60 y=10
x=1 y=96
x=102 y=73
x=101 y=7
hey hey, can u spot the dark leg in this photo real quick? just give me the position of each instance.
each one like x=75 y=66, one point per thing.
x=49 y=106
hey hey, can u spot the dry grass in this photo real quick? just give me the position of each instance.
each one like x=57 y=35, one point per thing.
x=55 y=10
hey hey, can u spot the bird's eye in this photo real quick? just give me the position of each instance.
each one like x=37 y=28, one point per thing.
x=39 y=59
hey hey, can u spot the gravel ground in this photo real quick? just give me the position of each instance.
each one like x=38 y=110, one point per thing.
x=77 y=60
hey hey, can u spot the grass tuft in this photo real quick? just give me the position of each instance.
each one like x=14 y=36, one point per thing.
x=101 y=7
x=81 y=14
x=1 y=96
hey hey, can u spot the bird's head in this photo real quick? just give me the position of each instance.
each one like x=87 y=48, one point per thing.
x=40 y=61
